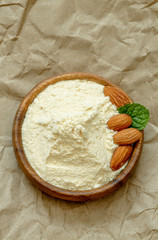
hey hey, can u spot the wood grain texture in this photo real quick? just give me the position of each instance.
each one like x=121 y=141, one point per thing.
x=79 y=196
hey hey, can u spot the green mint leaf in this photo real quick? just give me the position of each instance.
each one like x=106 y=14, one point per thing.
x=138 y=113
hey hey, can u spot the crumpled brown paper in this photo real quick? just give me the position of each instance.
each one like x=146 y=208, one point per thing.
x=114 y=39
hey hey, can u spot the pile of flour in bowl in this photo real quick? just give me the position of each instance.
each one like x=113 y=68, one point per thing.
x=65 y=136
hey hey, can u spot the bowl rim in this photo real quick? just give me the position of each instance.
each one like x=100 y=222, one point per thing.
x=71 y=195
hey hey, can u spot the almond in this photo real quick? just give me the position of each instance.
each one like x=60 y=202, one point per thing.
x=119 y=122
x=117 y=97
x=120 y=156
x=127 y=136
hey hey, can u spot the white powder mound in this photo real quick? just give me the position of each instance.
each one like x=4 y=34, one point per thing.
x=65 y=136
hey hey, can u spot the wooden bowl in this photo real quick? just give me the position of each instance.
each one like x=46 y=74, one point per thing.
x=46 y=187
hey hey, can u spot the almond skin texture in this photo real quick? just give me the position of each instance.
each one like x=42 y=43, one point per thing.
x=119 y=122
x=117 y=97
x=127 y=136
x=120 y=156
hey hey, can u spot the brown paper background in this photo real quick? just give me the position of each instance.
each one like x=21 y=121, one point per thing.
x=115 y=39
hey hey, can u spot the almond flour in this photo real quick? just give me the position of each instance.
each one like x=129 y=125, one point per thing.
x=65 y=135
